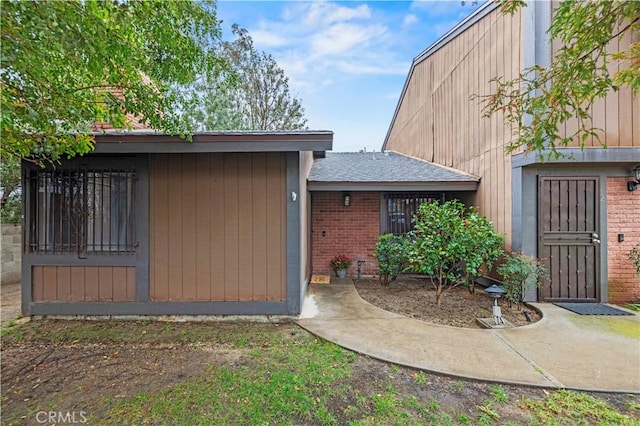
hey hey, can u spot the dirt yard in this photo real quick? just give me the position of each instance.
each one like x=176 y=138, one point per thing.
x=10 y=295
x=87 y=367
x=415 y=297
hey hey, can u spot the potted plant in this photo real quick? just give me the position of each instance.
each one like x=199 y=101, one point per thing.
x=340 y=264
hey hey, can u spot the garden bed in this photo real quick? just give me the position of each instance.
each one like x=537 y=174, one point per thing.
x=414 y=297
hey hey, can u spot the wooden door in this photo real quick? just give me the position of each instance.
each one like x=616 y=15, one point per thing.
x=569 y=238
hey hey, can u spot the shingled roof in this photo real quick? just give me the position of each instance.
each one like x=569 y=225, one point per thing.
x=388 y=171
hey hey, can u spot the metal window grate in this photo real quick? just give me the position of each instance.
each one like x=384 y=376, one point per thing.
x=81 y=211
x=401 y=207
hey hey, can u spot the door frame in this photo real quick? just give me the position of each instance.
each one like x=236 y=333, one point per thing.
x=568 y=238
x=524 y=174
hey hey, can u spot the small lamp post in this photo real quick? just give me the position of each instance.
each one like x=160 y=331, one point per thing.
x=495 y=292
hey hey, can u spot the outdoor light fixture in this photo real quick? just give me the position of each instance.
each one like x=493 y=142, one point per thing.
x=346 y=199
x=631 y=185
x=495 y=292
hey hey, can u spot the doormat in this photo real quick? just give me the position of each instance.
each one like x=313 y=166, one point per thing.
x=592 y=309
x=320 y=279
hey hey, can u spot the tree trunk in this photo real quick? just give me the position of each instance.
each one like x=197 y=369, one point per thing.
x=438 y=294
x=439 y=288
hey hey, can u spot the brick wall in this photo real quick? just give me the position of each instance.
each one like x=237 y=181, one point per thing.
x=352 y=230
x=623 y=210
x=11 y=253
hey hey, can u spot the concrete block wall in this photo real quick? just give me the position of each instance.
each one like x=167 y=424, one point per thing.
x=338 y=229
x=11 y=253
x=623 y=209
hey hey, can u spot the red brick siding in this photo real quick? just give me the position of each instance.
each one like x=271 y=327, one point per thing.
x=351 y=230
x=623 y=208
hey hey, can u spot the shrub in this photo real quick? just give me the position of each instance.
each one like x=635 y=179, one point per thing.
x=450 y=243
x=391 y=252
x=519 y=273
x=634 y=256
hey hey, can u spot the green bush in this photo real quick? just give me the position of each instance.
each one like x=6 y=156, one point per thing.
x=11 y=200
x=450 y=244
x=391 y=252
x=519 y=273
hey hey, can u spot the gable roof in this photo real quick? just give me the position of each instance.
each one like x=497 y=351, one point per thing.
x=388 y=171
x=485 y=9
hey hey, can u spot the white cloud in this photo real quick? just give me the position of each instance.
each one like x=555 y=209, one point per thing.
x=409 y=20
x=343 y=37
x=372 y=68
x=267 y=39
x=346 y=14
x=322 y=13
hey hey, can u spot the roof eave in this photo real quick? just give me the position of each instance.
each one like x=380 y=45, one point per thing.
x=394 y=186
x=151 y=142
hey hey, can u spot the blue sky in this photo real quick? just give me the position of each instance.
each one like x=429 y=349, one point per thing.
x=346 y=60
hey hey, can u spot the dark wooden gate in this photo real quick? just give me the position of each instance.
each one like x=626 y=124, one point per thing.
x=569 y=241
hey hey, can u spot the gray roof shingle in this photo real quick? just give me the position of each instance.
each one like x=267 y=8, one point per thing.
x=387 y=167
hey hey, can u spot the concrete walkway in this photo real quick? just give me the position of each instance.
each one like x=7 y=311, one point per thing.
x=562 y=350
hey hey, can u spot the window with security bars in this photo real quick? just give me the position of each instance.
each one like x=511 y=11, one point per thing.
x=81 y=211
x=401 y=207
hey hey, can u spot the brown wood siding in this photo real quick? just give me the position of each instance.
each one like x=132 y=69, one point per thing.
x=218 y=227
x=439 y=121
x=617 y=115
x=83 y=283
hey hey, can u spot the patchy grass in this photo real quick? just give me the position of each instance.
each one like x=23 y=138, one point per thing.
x=221 y=373
x=576 y=408
x=273 y=387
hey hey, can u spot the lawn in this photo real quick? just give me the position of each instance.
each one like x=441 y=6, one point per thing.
x=138 y=372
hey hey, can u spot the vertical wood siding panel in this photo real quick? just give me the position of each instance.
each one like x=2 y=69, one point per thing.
x=92 y=283
x=64 y=283
x=612 y=130
x=203 y=226
x=105 y=283
x=152 y=226
x=449 y=96
x=77 y=284
x=477 y=114
x=430 y=116
x=131 y=284
x=486 y=122
x=260 y=241
x=245 y=228
x=160 y=208
x=625 y=120
x=119 y=284
x=174 y=172
x=493 y=157
x=37 y=279
x=464 y=146
x=600 y=121
x=231 y=280
x=636 y=120
x=274 y=256
x=189 y=228
x=283 y=199
x=50 y=280
x=217 y=225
